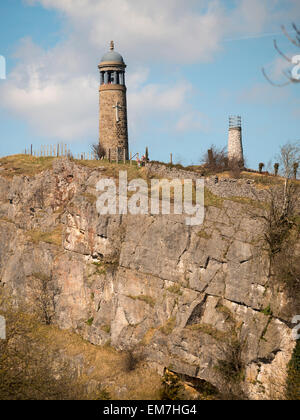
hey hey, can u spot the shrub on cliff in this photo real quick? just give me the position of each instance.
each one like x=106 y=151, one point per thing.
x=293 y=378
x=98 y=151
x=172 y=389
x=215 y=160
x=30 y=369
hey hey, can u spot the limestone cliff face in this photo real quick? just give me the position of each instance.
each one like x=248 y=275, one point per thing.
x=148 y=281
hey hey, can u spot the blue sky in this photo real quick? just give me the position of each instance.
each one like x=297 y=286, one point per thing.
x=191 y=64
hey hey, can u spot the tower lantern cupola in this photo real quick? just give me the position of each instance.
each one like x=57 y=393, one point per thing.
x=113 y=105
x=112 y=68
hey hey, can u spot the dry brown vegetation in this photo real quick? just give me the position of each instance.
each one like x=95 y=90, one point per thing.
x=24 y=165
x=280 y=219
x=30 y=166
x=98 y=151
x=52 y=237
x=42 y=362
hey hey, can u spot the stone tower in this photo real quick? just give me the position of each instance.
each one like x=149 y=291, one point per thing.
x=235 y=145
x=113 y=130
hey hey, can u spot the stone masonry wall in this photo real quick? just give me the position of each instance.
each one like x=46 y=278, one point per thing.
x=113 y=134
x=235 y=147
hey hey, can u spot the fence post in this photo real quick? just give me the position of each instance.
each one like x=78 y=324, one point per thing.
x=210 y=156
x=117 y=155
x=171 y=158
x=124 y=156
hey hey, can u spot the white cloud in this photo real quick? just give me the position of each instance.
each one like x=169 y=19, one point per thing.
x=168 y=30
x=56 y=90
x=193 y=121
x=263 y=94
x=176 y=30
x=61 y=101
x=53 y=100
x=149 y=102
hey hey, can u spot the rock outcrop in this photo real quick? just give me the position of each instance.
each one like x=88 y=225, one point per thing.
x=180 y=293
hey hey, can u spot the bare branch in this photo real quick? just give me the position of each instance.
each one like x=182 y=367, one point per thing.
x=290 y=78
x=296 y=28
x=273 y=83
x=292 y=40
x=281 y=53
x=295 y=41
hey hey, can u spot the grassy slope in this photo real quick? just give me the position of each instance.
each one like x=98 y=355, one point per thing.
x=108 y=366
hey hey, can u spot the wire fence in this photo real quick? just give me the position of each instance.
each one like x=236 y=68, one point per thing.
x=118 y=154
x=58 y=150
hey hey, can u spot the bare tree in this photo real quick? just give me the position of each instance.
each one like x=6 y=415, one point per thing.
x=278 y=211
x=215 y=159
x=288 y=157
x=44 y=295
x=295 y=40
x=261 y=167
x=276 y=169
x=30 y=368
x=98 y=150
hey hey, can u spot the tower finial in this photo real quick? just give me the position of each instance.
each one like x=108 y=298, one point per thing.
x=112 y=45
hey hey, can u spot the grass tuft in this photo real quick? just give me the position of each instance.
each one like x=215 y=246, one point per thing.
x=144 y=298
x=53 y=237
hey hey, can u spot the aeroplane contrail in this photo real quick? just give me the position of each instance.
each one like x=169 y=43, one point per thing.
x=256 y=36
